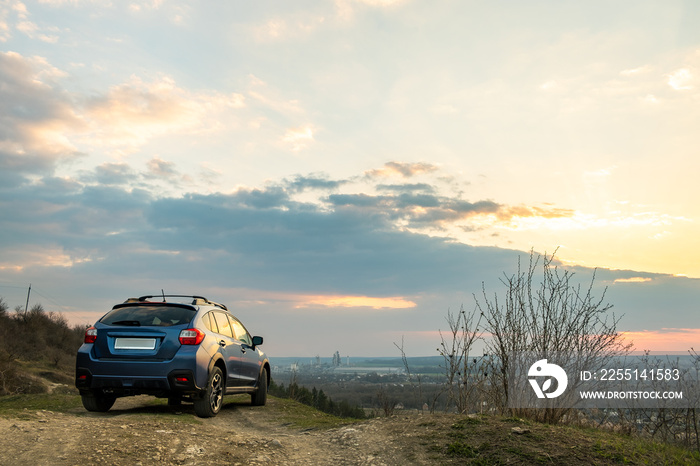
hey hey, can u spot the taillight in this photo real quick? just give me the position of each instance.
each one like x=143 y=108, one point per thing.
x=90 y=335
x=191 y=336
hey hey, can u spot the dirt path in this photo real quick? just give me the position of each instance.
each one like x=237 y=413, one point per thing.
x=138 y=432
x=134 y=433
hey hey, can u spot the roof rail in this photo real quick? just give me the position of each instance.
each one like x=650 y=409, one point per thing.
x=196 y=300
x=201 y=300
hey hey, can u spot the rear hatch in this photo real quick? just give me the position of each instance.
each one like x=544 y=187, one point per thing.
x=142 y=331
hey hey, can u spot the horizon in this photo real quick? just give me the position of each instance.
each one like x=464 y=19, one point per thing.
x=392 y=358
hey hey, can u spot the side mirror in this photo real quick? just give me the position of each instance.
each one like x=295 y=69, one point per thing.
x=257 y=341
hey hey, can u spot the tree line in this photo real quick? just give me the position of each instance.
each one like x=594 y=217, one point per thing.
x=316 y=399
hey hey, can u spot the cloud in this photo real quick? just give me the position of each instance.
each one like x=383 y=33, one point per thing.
x=680 y=79
x=33 y=31
x=405 y=170
x=263 y=229
x=355 y=302
x=268 y=198
x=636 y=71
x=261 y=92
x=160 y=167
x=35 y=119
x=407 y=187
x=132 y=113
x=4 y=26
x=72 y=2
x=14 y=14
x=8 y=9
x=292 y=26
x=43 y=125
x=68 y=215
x=510 y=213
x=359 y=200
x=299 y=138
x=424 y=209
x=113 y=173
x=302 y=23
x=302 y=183
x=633 y=280
x=43 y=256
x=272 y=257
x=149 y=4
x=382 y=3
x=254 y=237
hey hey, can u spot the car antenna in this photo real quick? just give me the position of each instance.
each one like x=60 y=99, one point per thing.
x=163 y=293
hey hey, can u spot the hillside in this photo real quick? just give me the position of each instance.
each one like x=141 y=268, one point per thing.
x=37 y=350
x=54 y=429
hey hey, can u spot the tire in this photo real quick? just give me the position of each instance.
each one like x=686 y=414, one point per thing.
x=209 y=403
x=259 y=398
x=98 y=403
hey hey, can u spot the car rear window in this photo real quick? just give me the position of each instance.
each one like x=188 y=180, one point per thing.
x=152 y=316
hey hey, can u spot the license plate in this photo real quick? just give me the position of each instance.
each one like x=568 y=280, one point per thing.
x=135 y=343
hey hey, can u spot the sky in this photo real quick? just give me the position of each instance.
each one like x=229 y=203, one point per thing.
x=342 y=173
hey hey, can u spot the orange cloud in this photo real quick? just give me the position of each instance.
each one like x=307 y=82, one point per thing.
x=533 y=211
x=355 y=301
x=406 y=170
x=132 y=113
x=48 y=256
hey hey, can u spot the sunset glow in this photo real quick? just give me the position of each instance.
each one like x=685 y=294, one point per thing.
x=666 y=340
x=356 y=301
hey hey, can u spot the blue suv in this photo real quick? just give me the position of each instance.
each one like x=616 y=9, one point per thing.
x=185 y=348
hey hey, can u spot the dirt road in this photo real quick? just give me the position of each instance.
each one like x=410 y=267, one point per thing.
x=138 y=431
x=135 y=432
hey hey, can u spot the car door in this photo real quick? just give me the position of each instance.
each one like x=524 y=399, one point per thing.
x=229 y=347
x=250 y=362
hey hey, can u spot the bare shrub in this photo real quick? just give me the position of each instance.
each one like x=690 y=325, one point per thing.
x=462 y=376
x=554 y=316
x=386 y=402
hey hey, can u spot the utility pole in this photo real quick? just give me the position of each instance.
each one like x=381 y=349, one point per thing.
x=26 y=305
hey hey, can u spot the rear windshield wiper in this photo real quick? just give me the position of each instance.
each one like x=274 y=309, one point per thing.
x=132 y=323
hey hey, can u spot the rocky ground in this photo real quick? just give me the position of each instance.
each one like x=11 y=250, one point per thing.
x=142 y=431
x=137 y=432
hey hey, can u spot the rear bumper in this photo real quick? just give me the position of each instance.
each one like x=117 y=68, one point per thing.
x=178 y=380
x=182 y=374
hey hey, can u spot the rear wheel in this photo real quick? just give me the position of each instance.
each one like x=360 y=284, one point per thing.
x=259 y=398
x=98 y=403
x=209 y=403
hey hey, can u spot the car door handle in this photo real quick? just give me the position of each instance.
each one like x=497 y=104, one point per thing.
x=222 y=342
